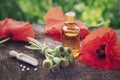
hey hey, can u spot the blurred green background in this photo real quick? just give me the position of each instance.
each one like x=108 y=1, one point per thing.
x=92 y=12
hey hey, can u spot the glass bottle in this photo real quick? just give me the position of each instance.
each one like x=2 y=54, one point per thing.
x=71 y=34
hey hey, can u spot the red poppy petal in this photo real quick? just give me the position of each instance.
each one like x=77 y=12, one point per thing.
x=55 y=31
x=113 y=56
x=22 y=34
x=100 y=32
x=116 y=51
x=56 y=36
x=83 y=29
x=54 y=23
x=2 y=28
x=55 y=13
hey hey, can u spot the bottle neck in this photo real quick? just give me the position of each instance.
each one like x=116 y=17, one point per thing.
x=70 y=19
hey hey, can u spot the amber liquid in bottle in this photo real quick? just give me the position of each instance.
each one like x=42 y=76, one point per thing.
x=71 y=35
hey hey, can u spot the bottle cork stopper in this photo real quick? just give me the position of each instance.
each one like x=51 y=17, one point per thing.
x=70 y=17
x=70 y=13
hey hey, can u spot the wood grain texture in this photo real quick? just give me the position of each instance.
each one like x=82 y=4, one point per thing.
x=10 y=67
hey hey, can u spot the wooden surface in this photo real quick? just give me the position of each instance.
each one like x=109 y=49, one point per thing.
x=10 y=67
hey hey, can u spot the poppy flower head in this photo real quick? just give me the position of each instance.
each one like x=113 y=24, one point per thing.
x=97 y=49
x=18 y=31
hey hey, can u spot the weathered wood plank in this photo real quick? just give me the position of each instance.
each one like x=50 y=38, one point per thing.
x=10 y=67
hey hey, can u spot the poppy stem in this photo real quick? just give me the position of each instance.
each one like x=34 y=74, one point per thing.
x=5 y=40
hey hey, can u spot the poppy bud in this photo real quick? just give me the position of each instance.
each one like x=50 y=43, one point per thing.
x=47 y=63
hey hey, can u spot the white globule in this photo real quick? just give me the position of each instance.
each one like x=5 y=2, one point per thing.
x=24 y=67
x=35 y=69
x=28 y=69
x=21 y=65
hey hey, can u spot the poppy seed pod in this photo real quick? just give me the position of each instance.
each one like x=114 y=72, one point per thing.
x=57 y=60
x=67 y=52
x=58 y=50
x=47 y=63
x=64 y=63
x=55 y=69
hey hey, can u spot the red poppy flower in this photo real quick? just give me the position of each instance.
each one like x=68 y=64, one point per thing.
x=100 y=50
x=55 y=19
x=16 y=30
